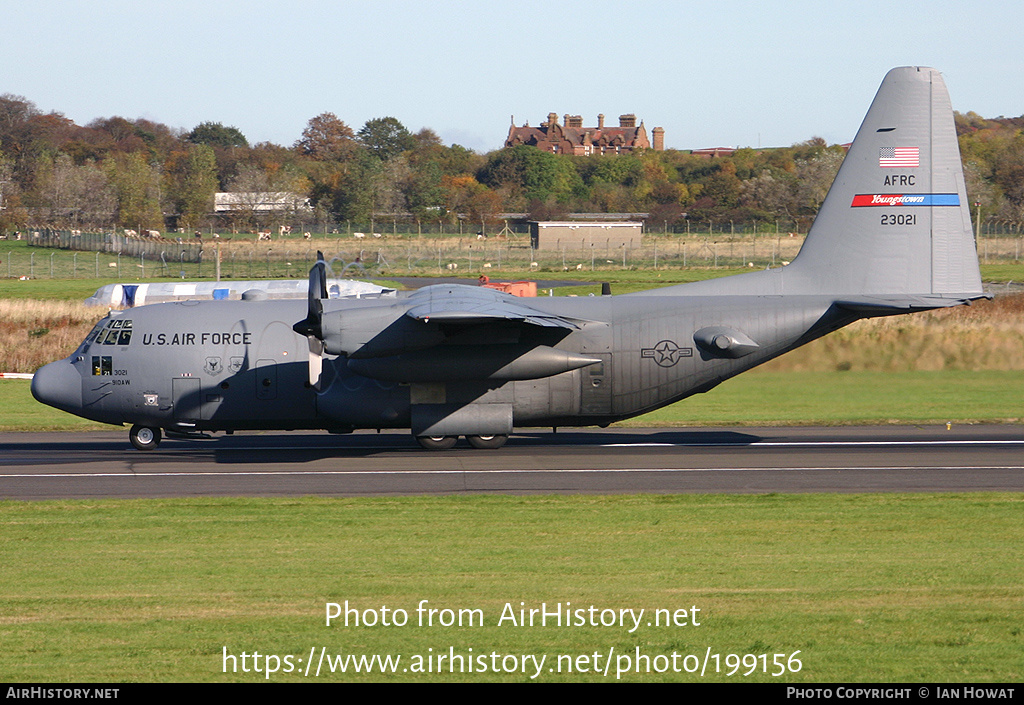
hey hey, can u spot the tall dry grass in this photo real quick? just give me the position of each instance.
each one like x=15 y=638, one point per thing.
x=33 y=333
x=986 y=336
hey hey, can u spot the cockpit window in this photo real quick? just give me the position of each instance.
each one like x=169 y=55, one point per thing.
x=92 y=336
x=111 y=332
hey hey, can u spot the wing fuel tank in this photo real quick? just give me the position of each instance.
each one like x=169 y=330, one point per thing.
x=471 y=362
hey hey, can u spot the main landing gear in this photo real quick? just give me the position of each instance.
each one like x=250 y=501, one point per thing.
x=487 y=442
x=144 y=437
x=446 y=442
x=149 y=437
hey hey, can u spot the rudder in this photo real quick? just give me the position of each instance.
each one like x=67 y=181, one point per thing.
x=896 y=220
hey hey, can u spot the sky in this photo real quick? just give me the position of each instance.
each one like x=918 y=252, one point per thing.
x=719 y=73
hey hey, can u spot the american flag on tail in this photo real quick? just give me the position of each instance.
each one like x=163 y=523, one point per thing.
x=898 y=157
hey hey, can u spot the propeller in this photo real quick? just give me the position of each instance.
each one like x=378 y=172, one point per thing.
x=311 y=326
x=316 y=361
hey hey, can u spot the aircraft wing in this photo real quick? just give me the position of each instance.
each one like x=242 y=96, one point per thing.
x=395 y=341
x=459 y=304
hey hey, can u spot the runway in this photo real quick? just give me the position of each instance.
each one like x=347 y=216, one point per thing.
x=752 y=460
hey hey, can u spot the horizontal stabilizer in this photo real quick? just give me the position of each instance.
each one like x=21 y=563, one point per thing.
x=887 y=305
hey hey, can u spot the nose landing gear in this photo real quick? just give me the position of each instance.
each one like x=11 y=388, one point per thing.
x=144 y=437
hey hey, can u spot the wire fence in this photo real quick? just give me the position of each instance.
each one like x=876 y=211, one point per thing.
x=406 y=226
x=114 y=243
x=290 y=257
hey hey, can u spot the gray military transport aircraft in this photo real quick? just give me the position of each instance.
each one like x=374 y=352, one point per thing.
x=892 y=237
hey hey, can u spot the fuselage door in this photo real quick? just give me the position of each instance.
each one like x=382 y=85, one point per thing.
x=596 y=390
x=187 y=398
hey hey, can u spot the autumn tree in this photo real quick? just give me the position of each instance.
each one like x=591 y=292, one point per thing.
x=457 y=159
x=467 y=195
x=607 y=197
x=193 y=177
x=12 y=212
x=720 y=195
x=427 y=138
x=1008 y=175
x=814 y=178
x=326 y=138
x=430 y=162
x=159 y=139
x=121 y=132
x=137 y=187
x=347 y=190
x=424 y=190
x=216 y=134
x=625 y=170
x=16 y=113
x=769 y=195
x=391 y=185
x=532 y=174
x=96 y=197
x=385 y=137
x=73 y=196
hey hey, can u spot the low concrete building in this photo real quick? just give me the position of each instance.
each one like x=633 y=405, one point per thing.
x=570 y=235
x=255 y=201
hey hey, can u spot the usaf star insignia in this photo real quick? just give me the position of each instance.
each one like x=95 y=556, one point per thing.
x=666 y=353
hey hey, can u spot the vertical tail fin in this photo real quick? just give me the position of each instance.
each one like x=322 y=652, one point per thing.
x=896 y=220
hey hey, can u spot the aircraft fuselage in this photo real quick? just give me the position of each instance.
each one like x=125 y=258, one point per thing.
x=231 y=365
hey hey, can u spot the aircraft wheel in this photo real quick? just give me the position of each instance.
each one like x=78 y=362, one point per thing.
x=487 y=442
x=437 y=442
x=144 y=437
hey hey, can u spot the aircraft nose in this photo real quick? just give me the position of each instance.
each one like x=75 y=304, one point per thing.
x=58 y=384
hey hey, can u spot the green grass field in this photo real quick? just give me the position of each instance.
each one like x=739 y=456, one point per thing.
x=865 y=587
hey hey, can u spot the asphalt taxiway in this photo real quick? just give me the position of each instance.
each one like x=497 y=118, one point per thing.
x=751 y=460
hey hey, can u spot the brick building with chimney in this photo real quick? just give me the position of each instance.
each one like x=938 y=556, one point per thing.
x=572 y=137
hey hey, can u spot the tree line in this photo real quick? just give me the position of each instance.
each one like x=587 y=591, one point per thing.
x=115 y=172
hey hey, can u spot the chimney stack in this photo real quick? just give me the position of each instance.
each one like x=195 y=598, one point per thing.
x=659 y=139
